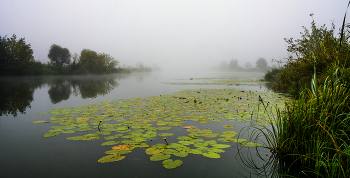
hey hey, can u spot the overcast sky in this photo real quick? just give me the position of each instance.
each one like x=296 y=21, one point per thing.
x=169 y=33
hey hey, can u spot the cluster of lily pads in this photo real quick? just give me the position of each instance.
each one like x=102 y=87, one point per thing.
x=127 y=124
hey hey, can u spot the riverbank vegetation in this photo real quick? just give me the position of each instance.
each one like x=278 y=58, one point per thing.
x=233 y=66
x=312 y=133
x=16 y=58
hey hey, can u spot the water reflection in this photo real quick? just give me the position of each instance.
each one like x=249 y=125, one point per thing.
x=15 y=97
x=17 y=93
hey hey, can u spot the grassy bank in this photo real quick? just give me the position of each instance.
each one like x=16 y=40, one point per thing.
x=312 y=133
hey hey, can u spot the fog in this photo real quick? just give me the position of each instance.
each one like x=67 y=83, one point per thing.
x=177 y=34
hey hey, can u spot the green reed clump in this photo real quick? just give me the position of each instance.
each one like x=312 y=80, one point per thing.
x=313 y=132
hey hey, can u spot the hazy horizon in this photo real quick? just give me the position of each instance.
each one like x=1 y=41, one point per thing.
x=171 y=34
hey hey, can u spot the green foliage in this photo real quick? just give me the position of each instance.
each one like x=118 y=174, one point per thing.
x=92 y=62
x=59 y=55
x=318 y=48
x=312 y=134
x=16 y=57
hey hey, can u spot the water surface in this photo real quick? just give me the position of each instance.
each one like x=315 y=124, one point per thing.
x=26 y=153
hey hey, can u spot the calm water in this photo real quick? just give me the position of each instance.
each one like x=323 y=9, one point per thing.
x=24 y=152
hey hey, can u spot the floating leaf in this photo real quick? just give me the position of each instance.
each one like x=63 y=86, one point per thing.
x=181 y=154
x=170 y=164
x=153 y=151
x=119 y=151
x=228 y=126
x=67 y=131
x=211 y=155
x=51 y=134
x=39 y=121
x=159 y=157
x=113 y=137
x=221 y=146
x=165 y=134
x=195 y=151
x=110 y=158
x=110 y=143
x=186 y=142
x=164 y=128
x=126 y=147
x=169 y=151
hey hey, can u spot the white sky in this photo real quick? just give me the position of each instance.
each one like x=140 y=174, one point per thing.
x=170 y=33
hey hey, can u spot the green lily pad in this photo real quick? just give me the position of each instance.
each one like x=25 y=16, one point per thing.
x=169 y=151
x=186 y=142
x=110 y=158
x=170 y=164
x=228 y=126
x=221 y=146
x=119 y=151
x=67 y=131
x=51 y=134
x=211 y=155
x=164 y=128
x=195 y=151
x=165 y=134
x=39 y=121
x=181 y=154
x=153 y=151
x=112 y=137
x=109 y=143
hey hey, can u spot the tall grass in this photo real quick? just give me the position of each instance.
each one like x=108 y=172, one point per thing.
x=313 y=134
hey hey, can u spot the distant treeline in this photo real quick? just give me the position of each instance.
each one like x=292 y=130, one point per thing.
x=233 y=66
x=16 y=58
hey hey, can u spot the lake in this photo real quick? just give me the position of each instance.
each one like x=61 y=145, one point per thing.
x=25 y=152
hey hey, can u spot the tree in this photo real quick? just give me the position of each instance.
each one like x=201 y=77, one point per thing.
x=15 y=56
x=59 y=55
x=233 y=65
x=261 y=64
x=93 y=62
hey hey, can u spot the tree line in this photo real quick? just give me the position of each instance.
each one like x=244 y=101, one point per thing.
x=16 y=58
x=261 y=66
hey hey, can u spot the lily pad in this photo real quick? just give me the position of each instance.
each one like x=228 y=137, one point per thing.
x=110 y=158
x=211 y=155
x=39 y=121
x=51 y=134
x=165 y=134
x=153 y=151
x=110 y=143
x=170 y=164
x=228 y=126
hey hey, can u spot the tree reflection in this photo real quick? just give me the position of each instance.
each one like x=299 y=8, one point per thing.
x=16 y=94
x=15 y=97
x=92 y=87
x=59 y=90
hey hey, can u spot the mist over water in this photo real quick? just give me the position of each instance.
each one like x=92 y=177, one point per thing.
x=175 y=35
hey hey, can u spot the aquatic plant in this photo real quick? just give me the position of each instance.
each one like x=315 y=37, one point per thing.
x=136 y=123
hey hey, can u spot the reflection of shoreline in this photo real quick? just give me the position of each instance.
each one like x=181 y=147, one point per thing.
x=16 y=93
